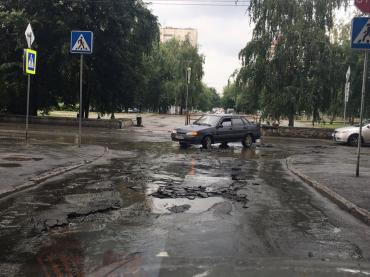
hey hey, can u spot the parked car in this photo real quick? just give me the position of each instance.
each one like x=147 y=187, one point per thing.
x=350 y=134
x=133 y=110
x=217 y=128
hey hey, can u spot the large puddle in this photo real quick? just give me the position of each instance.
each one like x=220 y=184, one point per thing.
x=163 y=206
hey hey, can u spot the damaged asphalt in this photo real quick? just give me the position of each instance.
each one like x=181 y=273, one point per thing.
x=149 y=199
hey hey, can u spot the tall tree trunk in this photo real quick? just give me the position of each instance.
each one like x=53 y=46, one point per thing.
x=333 y=116
x=291 y=120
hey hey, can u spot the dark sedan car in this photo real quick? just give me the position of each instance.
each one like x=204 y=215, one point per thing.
x=218 y=128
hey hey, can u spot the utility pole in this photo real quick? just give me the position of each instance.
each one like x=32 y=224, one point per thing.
x=188 y=77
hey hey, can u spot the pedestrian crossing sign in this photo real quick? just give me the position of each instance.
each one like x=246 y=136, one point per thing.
x=81 y=42
x=30 y=61
x=360 y=33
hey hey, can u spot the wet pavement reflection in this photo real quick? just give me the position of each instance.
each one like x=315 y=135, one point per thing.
x=153 y=202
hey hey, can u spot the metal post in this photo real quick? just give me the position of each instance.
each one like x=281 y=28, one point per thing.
x=186 y=101
x=80 y=119
x=345 y=109
x=364 y=78
x=28 y=105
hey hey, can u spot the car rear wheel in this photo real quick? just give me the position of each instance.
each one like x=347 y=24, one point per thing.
x=247 y=141
x=207 y=142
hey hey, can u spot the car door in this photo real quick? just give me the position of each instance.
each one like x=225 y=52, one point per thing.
x=250 y=128
x=225 y=130
x=366 y=133
x=239 y=128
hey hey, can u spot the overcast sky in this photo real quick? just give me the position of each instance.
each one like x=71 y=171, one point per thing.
x=222 y=33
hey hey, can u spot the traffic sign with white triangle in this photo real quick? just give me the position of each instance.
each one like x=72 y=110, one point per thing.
x=81 y=42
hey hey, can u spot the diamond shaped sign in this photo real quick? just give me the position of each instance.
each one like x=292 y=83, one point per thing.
x=30 y=36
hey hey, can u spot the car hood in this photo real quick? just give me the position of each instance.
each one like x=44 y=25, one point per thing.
x=348 y=128
x=191 y=128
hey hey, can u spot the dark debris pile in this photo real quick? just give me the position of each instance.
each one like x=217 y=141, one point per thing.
x=236 y=191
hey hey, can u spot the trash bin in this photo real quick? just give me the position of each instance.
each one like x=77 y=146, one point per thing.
x=138 y=120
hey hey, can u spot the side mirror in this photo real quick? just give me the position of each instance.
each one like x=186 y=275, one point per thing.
x=219 y=126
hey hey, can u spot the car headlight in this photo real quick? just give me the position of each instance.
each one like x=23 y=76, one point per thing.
x=174 y=131
x=192 y=134
x=343 y=132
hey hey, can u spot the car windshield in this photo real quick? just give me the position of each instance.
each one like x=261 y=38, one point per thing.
x=208 y=120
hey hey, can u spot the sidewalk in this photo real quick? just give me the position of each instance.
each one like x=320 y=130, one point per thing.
x=332 y=172
x=23 y=166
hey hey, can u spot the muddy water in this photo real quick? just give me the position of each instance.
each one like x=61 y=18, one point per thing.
x=106 y=219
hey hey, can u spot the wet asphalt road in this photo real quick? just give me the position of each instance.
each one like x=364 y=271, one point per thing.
x=220 y=207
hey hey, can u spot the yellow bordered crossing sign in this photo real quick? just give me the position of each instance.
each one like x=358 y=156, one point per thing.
x=30 y=61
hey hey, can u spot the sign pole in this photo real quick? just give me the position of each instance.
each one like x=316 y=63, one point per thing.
x=364 y=78
x=345 y=109
x=28 y=105
x=81 y=43
x=30 y=37
x=80 y=119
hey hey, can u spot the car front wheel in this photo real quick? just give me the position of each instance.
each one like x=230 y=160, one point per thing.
x=247 y=141
x=207 y=142
x=353 y=140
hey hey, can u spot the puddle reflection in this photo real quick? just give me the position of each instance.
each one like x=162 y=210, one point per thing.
x=161 y=206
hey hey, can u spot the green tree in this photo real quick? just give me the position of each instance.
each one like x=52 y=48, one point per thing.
x=12 y=81
x=207 y=99
x=166 y=75
x=285 y=63
x=229 y=96
x=124 y=31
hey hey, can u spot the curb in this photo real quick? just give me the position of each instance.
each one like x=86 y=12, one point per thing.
x=47 y=175
x=343 y=203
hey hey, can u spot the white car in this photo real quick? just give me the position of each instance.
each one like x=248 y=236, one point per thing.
x=349 y=135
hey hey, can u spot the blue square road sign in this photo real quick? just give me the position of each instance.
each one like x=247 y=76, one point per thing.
x=360 y=38
x=30 y=62
x=81 y=42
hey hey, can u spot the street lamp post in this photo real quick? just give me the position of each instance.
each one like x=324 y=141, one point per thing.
x=188 y=75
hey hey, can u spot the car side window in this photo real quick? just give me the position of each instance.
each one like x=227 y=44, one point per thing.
x=246 y=122
x=237 y=122
x=226 y=122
